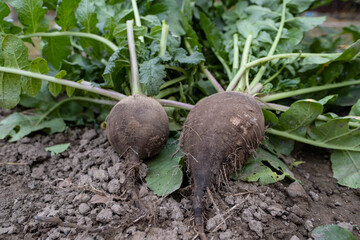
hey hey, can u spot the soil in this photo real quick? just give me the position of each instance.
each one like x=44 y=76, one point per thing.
x=83 y=194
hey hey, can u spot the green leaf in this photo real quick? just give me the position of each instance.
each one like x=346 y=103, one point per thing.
x=69 y=91
x=65 y=14
x=59 y=148
x=120 y=31
x=4 y=10
x=331 y=232
x=31 y=14
x=15 y=55
x=18 y=125
x=265 y=168
x=305 y=23
x=355 y=109
x=164 y=174
x=299 y=6
x=115 y=64
x=56 y=49
x=354 y=30
x=152 y=74
x=350 y=52
x=299 y=116
x=54 y=88
x=346 y=168
x=180 y=55
x=32 y=86
x=86 y=15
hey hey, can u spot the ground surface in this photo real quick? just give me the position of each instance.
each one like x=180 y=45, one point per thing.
x=83 y=194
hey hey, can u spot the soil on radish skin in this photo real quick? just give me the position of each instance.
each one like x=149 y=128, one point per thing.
x=87 y=186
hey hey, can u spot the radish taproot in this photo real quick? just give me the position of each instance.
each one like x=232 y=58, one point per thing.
x=137 y=125
x=220 y=133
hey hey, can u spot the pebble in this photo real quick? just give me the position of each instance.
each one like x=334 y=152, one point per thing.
x=214 y=222
x=295 y=219
x=297 y=210
x=82 y=198
x=105 y=216
x=89 y=134
x=294 y=238
x=247 y=215
x=226 y=235
x=295 y=190
x=84 y=208
x=113 y=186
x=117 y=209
x=100 y=175
x=314 y=196
x=309 y=225
x=256 y=227
x=346 y=225
x=275 y=210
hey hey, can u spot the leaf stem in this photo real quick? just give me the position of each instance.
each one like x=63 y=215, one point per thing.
x=135 y=79
x=76 y=34
x=179 y=69
x=171 y=103
x=282 y=95
x=309 y=141
x=137 y=17
x=275 y=75
x=172 y=82
x=83 y=85
x=97 y=101
x=273 y=47
x=167 y=92
x=236 y=52
x=244 y=60
x=163 y=39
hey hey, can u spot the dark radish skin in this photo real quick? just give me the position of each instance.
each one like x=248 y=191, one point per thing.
x=220 y=133
x=139 y=126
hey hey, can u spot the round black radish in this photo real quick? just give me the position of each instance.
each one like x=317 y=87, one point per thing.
x=220 y=133
x=138 y=125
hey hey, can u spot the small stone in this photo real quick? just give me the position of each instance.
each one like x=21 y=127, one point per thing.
x=309 y=225
x=256 y=227
x=314 y=196
x=295 y=190
x=82 y=198
x=213 y=222
x=113 y=186
x=337 y=203
x=226 y=235
x=117 y=209
x=47 y=198
x=247 y=215
x=84 y=208
x=38 y=173
x=101 y=175
x=143 y=191
x=346 y=225
x=230 y=200
x=295 y=219
x=297 y=210
x=275 y=210
x=104 y=216
x=294 y=238
x=89 y=134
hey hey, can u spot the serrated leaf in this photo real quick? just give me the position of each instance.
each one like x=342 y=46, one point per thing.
x=86 y=15
x=346 y=168
x=31 y=14
x=56 y=49
x=331 y=232
x=299 y=116
x=164 y=174
x=55 y=88
x=180 y=55
x=116 y=62
x=15 y=55
x=65 y=14
x=152 y=74
x=18 y=125
x=350 y=52
x=32 y=86
x=265 y=168
x=56 y=149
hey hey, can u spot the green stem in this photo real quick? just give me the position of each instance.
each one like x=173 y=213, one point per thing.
x=83 y=85
x=273 y=47
x=223 y=62
x=172 y=82
x=163 y=39
x=137 y=17
x=256 y=62
x=282 y=108
x=236 y=52
x=167 y=92
x=282 y=95
x=274 y=76
x=178 y=69
x=244 y=60
x=76 y=34
x=97 y=101
x=171 y=103
x=135 y=78
x=309 y=141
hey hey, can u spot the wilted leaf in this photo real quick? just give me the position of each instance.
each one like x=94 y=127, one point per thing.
x=59 y=148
